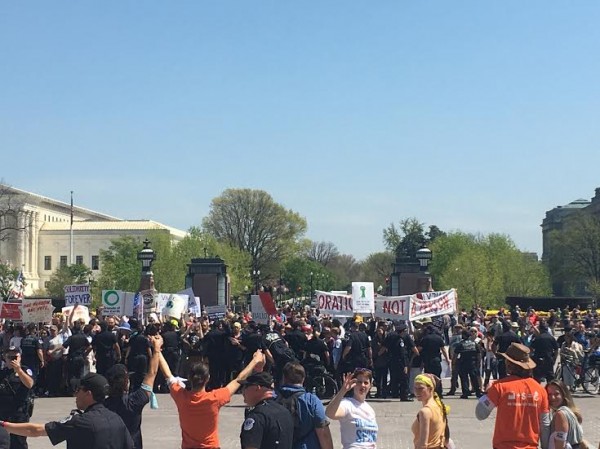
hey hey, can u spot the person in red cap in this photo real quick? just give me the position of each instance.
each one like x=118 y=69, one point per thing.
x=523 y=416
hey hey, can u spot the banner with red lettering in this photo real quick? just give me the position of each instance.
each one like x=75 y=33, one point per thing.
x=430 y=304
x=392 y=307
x=10 y=311
x=334 y=304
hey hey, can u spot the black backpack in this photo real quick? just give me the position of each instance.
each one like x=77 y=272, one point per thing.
x=281 y=352
x=290 y=402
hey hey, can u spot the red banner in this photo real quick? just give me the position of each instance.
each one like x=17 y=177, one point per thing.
x=11 y=311
x=268 y=303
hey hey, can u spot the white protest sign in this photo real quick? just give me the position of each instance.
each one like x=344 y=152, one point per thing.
x=79 y=313
x=259 y=314
x=193 y=305
x=77 y=294
x=113 y=302
x=430 y=304
x=128 y=307
x=363 y=297
x=37 y=310
x=392 y=307
x=334 y=304
x=175 y=306
x=161 y=301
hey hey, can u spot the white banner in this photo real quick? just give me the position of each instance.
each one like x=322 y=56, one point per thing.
x=363 y=297
x=392 y=307
x=36 y=310
x=334 y=304
x=77 y=294
x=193 y=305
x=430 y=304
x=259 y=314
x=175 y=306
x=79 y=313
x=113 y=302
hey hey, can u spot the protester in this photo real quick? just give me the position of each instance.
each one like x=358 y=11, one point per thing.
x=199 y=406
x=129 y=405
x=95 y=428
x=430 y=428
x=312 y=430
x=523 y=416
x=358 y=425
x=565 y=427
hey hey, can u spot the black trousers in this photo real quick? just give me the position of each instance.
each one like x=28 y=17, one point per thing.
x=434 y=366
x=469 y=372
x=380 y=378
x=75 y=366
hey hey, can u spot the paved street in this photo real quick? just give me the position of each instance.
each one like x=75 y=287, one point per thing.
x=161 y=429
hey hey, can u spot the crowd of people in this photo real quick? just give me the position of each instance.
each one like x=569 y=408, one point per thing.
x=115 y=366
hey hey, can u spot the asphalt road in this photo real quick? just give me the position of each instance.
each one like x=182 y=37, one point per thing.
x=161 y=427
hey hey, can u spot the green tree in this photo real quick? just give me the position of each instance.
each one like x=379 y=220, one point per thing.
x=251 y=221
x=406 y=240
x=296 y=272
x=67 y=275
x=376 y=267
x=120 y=267
x=345 y=269
x=8 y=275
x=485 y=269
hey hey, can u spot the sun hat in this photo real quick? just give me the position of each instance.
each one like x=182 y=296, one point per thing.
x=519 y=355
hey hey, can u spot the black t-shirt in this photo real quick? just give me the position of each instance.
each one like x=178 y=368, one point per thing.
x=252 y=342
x=139 y=345
x=29 y=347
x=504 y=340
x=171 y=340
x=359 y=343
x=317 y=347
x=269 y=425
x=77 y=343
x=544 y=346
x=96 y=428
x=103 y=344
x=296 y=339
x=396 y=348
x=129 y=407
x=215 y=344
x=431 y=344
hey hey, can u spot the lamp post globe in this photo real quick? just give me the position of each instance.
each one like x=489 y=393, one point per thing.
x=424 y=256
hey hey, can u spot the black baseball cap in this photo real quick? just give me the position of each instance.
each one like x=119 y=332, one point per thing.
x=263 y=379
x=118 y=371
x=16 y=349
x=96 y=383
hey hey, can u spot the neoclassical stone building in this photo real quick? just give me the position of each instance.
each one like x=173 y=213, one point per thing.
x=35 y=234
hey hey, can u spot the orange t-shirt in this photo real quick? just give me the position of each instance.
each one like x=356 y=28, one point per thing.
x=199 y=416
x=520 y=403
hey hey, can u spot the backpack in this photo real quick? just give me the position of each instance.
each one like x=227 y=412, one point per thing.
x=291 y=404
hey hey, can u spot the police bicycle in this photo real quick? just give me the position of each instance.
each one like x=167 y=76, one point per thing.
x=318 y=380
x=585 y=375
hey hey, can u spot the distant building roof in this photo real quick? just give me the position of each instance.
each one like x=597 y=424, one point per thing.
x=121 y=225
x=577 y=204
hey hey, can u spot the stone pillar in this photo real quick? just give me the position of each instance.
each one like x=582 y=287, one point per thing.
x=20 y=240
x=27 y=244
x=34 y=245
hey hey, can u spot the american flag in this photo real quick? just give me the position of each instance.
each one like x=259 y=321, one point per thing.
x=19 y=287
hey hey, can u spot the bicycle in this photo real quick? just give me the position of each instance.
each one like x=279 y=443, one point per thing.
x=585 y=375
x=319 y=381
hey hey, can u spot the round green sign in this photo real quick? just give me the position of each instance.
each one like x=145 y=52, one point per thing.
x=108 y=295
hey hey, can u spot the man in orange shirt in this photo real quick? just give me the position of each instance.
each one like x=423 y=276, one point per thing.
x=523 y=417
x=199 y=409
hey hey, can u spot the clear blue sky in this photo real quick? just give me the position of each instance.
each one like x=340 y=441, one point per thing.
x=471 y=115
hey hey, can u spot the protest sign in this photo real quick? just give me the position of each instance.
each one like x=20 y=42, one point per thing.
x=215 y=312
x=37 y=310
x=79 y=313
x=78 y=294
x=113 y=302
x=259 y=314
x=392 y=307
x=193 y=305
x=334 y=304
x=175 y=306
x=128 y=306
x=430 y=304
x=149 y=297
x=363 y=297
x=10 y=311
x=268 y=303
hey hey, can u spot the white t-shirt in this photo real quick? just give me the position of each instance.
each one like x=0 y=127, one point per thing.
x=358 y=426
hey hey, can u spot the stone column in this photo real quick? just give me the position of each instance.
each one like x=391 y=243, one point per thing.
x=27 y=238
x=20 y=239
x=34 y=245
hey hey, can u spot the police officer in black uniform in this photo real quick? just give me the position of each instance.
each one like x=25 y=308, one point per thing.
x=78 y=346
x=92 y=426
x=31 y=350
x=467 y=355
x=16 y=382
x=268 y=425
x=545 y=351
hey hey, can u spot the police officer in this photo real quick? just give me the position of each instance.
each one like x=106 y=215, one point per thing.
x=268 y=425
x=467 y=358
x=92 y=426
x=31 y=350
x=78 y=346
x=16 y=382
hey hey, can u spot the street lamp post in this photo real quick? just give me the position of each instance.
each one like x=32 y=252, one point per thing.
x=146 y=256
x=424 y=256
x=312 y=292
x=256 y=275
